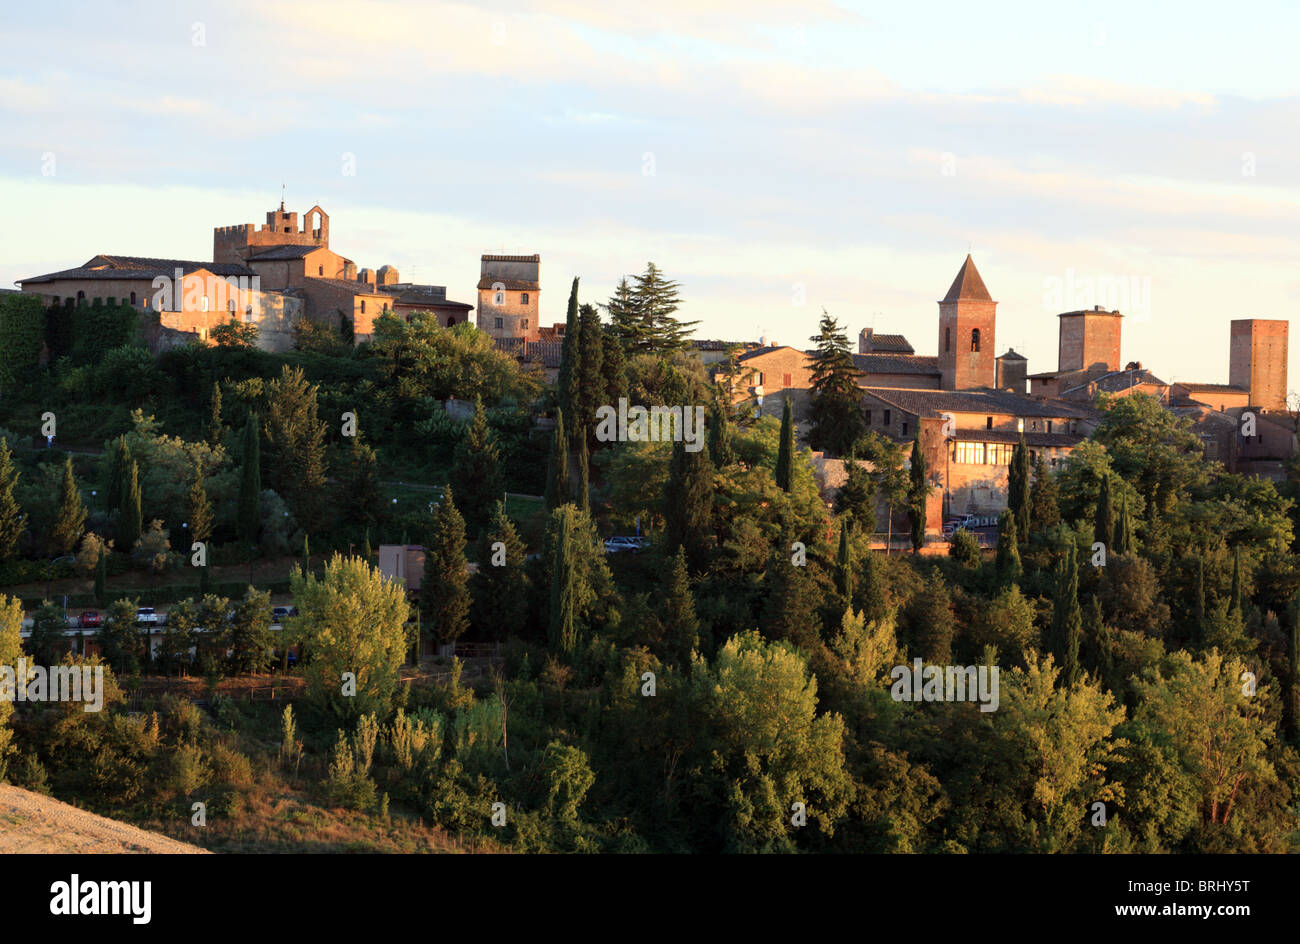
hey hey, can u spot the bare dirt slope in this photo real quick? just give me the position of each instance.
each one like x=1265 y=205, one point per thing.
x=30 y=822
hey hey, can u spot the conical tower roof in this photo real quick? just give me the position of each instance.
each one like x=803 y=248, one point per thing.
x=968 y=286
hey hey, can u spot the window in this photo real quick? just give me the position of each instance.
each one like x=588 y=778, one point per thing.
x=1049 y=426
x=132 y=298
x=975 y=340
x=205 y=303
x=868 y=417
x=999 y=453
x=947 y=339
x=320 y=270
x=523 y=298
x=81 y=296
x=904 y=427
x=888 y=418
x=523 y=323
x=363 y=306
x=969 y=453
x=385 y=307
x=499 y=324
x=286 y=229
x=760 y=379
x=230 y=308
x=786 y=381
x=988 y=422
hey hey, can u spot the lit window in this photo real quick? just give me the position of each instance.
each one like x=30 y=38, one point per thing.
x=205 y=303
x=969 y=453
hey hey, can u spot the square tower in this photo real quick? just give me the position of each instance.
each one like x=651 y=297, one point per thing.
x=1257 y=357
x=1089 y=339
x=508 y=290
x=967 y=319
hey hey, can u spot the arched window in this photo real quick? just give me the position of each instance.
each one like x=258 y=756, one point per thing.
x=320 y=270
x=205 y=303
x=363 y=306
x=81 y=296
x=524 y=297
x=975 y=340
x=947 y=339
x=133 y=298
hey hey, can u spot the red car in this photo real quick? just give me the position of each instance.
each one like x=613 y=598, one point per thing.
x=91 y=619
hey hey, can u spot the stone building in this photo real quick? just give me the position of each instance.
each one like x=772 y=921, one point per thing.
x=508 y=290
x=967 y=325
x=1257 y=360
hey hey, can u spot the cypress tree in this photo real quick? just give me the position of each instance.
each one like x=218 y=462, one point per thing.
x=101 y=578
x=1293 y=661
x=918 y=491
x=1104 y=523
x=720 y=437
x=613 y=366
x=1101 y=655
x=567 y=381
x=248 y=509
x=130 y=523
x=1044 y=498
x=591 y=380
x=119 y=464
x=1007 y=563
x=1198 y=600
x=563 y=628
x=476 y=471
x=214 y=419
x=306 y=555
x=584 y=471
x=1067 y=620
x=1124 y=528
x=680 y=623
x=869 y=596
x=444 y=588
x=844 y=565
x=688 y=504
x=12 y=519
x=557 y=469
x=500 y=591
x=1234 y=595
x=366 y=550
x=1018 y=488
x=200 y=508
x=930 y=621
x=790 y=612
x=785 y=451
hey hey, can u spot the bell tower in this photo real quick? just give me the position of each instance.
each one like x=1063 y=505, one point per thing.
x=967 y=320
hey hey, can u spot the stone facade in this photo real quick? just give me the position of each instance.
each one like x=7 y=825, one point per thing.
x=508 y=290
x=235 y=244
x=1089 y=340
x=967 y=325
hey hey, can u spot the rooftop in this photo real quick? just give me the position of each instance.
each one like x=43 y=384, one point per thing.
x=139 y=267
x=968 y=286
x=985 y=401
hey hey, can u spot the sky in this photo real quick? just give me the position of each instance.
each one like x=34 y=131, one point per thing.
x=776 y=159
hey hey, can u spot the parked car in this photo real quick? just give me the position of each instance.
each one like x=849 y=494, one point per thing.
x=91 y=619
x=618 y=544
x=279 y=613
x=146 y=615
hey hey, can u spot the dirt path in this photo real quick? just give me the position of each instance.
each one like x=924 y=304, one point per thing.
x=31 y=823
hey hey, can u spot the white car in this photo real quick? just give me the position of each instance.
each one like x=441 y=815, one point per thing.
x=146 y=615
x=617 y=545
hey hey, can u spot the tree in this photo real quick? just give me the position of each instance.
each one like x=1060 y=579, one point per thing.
x=101 y=578
x=563 y=627
x=1018 y=487
x=250 y=636
x=476 y=471
x=584 y=471
x=591 y=380
x=352 y=620
x=786 y=453
x=964 y=549
x=790 y=611
x=235 y=335
x=46 y=644
x=680 y=624
x=296 y=438
x=844 y=565
x=720 y=437
x=500 y=587
x=834 y=395
x=22 y=335
x=70 y=521
x=1104 y=522
x=869 y=596
x=1067 y=619
x=657 y=300
x=1234 y=594
x=1098 y=647
x=557 y=468
x=1198 y=608
x=250 y=484
x=1007 y=562
x=586 y=574
x=12 y=519
x=917 y=494
x=625 y=325
x=119 y=468
x=569 y=375
x=444 y=589
x=613 y=365
x=119 y=637
x=360 y=489
x=11 y=649
x=1044 y=498
x=215 y=426
x=130 y=522
x=1124 y=528
x=688 y=505
x=857 y=496
x=931 y=621
x=201 y=518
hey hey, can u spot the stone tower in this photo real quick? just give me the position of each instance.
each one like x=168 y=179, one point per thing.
x=234 y=244
x=1257 y=357
x=1089 y=339
x=508 y=290
x=967 y=319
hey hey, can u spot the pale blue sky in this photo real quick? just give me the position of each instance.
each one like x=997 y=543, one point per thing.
x=845 y=155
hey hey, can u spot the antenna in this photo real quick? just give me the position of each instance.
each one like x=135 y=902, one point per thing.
x=282 y=198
